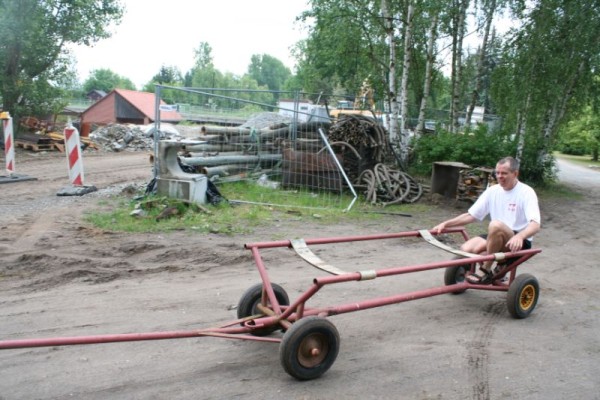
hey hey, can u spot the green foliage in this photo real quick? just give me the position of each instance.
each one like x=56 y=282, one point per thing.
x=268 y=71
x=478 y=149
x=34 y=56
x=106 y=80
x=536 y=169
x=581 y=135
x=162 y=214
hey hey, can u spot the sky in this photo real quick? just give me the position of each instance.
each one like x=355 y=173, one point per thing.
x=157 y=33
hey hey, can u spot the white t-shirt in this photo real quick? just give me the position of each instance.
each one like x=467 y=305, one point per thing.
x=516 y=207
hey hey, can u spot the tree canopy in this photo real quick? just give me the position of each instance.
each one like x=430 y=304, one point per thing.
x=106 y=80
x=34 y=57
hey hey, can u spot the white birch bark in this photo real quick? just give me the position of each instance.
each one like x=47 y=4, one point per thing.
x=404 y=133
x=391 y=95
x=428 y=74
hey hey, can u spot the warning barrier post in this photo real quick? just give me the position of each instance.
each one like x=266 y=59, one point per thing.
x=74 y=163
x=9 y=151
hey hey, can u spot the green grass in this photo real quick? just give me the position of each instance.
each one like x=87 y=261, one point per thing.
x=119 y=214
x=585 y=161
x=557 y=191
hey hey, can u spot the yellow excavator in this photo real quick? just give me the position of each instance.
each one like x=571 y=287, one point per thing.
x=364 y=106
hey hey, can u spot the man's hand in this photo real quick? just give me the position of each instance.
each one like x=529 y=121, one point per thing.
x=515 y=243
x=439 y=228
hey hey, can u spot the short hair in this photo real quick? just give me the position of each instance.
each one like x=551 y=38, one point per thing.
x=512 y=163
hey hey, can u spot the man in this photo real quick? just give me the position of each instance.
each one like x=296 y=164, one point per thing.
x=514 y=218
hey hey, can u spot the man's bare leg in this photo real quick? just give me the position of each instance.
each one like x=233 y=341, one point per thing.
x=498 y=235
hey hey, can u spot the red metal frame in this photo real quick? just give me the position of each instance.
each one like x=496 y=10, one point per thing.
x=278 y=315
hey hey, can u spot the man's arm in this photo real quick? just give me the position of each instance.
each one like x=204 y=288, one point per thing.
x=461 y=220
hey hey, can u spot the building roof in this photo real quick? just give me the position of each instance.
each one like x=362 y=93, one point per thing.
x=145 y=103
x=100 y=93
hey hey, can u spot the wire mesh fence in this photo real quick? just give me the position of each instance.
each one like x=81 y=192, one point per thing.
x=289 y=148
x=264 y=147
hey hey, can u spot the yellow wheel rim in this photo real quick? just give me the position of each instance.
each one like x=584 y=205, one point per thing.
x=527 y=297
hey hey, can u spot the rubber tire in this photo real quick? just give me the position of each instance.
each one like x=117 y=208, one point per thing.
x=456 y=274
x=523 y=295
x=304 y=332
x=247 y=305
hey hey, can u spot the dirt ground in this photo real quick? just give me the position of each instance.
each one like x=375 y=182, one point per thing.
x=60 y=276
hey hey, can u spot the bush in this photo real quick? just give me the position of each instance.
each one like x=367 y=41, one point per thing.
x=477 y=148
x=576 y=146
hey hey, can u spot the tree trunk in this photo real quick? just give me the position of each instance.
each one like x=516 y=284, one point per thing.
x=557 y=112
x=521 y=128
x=404 y=133
x=428 y=74
x=391 y=96
x=457 y=41
x=481 y=70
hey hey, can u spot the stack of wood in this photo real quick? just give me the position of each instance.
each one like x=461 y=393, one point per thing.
x=34 y=142
x=472 y=182
x=44 y=136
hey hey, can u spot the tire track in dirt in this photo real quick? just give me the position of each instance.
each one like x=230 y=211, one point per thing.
x=478 y=354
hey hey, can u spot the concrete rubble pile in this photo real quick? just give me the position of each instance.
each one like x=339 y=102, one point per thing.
x=117 y=137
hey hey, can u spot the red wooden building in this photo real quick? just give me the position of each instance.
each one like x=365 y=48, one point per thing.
x=125 y=107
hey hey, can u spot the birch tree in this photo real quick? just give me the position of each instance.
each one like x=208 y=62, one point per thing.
x=459 y=16
x=489 y=8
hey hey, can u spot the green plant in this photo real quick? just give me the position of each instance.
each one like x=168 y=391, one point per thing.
x=476 y=148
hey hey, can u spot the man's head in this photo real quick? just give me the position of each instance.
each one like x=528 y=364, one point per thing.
x=507 y=171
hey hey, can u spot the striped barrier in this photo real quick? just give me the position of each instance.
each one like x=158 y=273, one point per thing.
x=9 y=152
x=9 y=149
x=73 y=152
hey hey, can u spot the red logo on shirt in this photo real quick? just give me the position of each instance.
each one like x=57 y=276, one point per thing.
x=512 y=206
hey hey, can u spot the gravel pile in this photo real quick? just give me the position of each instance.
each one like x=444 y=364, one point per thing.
x=266 y=120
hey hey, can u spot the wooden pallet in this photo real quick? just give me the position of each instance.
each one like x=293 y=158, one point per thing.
x=34 y=146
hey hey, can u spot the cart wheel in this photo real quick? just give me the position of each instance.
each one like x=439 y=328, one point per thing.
x=251 y=298
x=309 y=348
x=523 y=295
x=454 y=275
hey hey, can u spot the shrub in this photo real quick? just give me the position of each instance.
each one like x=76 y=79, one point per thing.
x=477 y=148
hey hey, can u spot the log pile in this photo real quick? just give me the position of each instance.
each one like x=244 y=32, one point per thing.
x=472 y=182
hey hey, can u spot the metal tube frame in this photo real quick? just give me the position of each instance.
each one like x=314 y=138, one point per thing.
x=282 y=316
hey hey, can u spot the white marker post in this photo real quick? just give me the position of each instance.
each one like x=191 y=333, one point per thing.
x=75 y=164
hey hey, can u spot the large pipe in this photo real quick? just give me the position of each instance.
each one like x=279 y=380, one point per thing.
x=214 y=147
x=223 y=170
x=232 y=159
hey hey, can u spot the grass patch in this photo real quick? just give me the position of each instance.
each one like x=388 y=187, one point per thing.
x=557 y=191
x=585 y=161
x=161 y=214
x=254 y=208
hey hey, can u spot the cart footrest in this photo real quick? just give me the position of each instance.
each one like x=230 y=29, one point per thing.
x=425 y=234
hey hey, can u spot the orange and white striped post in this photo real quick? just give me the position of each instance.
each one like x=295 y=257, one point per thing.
x=75 y=162
x=9 y=145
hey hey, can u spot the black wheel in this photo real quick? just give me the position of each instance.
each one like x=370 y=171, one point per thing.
x=248 y=305
x=309 y=348
x=523 y=294
x=456 y=274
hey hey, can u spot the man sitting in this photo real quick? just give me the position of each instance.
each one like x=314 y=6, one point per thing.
x=514 y=214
